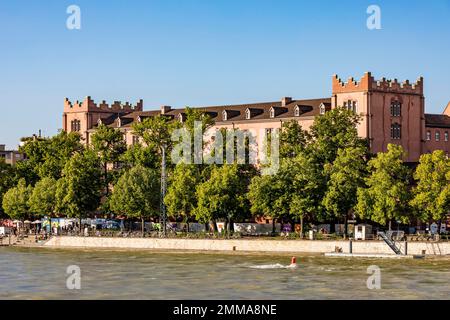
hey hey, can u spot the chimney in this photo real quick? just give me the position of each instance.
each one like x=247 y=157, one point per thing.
x=165 y=109
x=285 y=101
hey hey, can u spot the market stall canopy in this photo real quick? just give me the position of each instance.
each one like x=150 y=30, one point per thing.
x=27 y=221
x=36 y=222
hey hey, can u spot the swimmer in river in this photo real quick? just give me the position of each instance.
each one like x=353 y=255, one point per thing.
x=293 y=263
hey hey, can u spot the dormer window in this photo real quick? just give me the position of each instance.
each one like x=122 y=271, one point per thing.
x=322 y=109
x=272 y=112
x=297 y=111
x=224 y=115
x=99 y=122
x=248 y=114
x=181 y=117
x=119 y=122
x=138 y=119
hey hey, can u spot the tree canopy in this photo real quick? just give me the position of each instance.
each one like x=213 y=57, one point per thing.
x=136 y=193
x=79 y=190
x=386 y=195
x=432 y=193
x=15 y=201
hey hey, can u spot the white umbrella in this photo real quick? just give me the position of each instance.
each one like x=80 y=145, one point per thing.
x=36 y=222
x=27 y=221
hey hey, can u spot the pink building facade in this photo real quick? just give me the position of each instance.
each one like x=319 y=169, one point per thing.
x=391 y=112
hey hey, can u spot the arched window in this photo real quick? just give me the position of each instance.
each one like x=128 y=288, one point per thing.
x=224 y=115
x=428 y=135
x=396 y=131
x=446 y=136
x=351 y=105
x=396 y=109
x=75 y=125
x=297 y=111
x=437 y=135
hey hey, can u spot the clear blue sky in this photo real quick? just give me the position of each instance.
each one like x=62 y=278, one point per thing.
x=191 y=52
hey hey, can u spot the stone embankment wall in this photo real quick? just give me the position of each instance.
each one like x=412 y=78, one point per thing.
x=253 y=245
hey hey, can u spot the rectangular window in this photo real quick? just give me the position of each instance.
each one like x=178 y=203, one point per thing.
x=446 y=136
x=437 y=136
x=396 y=131
x=135 y=140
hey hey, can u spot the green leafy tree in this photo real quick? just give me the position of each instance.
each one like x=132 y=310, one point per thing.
x=432 y=193
x=137 y=154
x=156 y=132
x=308 y=184
x=346 y=174
x=7 y=180
x=58 y=150
x=336 y=129
x=293 y=139
x=264 y=192
x=291 y=194
x=136 y=194
x=42 y=201
x=181 y=198
x=109 y=144
x=15 y=201
x=78 y=192
x=223 y=195
x=386 y=195
x=46 y=157
x=35 y=150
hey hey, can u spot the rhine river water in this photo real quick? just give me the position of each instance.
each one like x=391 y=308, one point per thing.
x=36 y=273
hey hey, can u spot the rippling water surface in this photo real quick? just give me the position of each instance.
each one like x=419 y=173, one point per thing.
x=41 y=274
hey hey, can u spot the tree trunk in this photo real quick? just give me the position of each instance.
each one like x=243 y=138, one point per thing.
x=142 y=226
x=80 y=228
x=390 y=224
x=106 y=178
x=273 y=226
x=301 y=227
x=187 y=223
x=345 y=226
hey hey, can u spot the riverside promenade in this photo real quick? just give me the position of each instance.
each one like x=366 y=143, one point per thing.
x=248 y=245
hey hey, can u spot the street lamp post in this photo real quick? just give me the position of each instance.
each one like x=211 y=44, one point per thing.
x=163 y=217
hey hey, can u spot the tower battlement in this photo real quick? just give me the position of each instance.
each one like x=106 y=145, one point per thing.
x=368 y=83
x=89 y=104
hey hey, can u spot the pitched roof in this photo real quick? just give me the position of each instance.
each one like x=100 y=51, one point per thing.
x=258 y=111
x=261 y=111
x=437 y=120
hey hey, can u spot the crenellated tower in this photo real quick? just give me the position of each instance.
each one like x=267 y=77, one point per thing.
x=391 y=112
x=83 y=116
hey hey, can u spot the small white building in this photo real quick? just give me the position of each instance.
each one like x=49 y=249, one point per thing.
x=363 y=232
